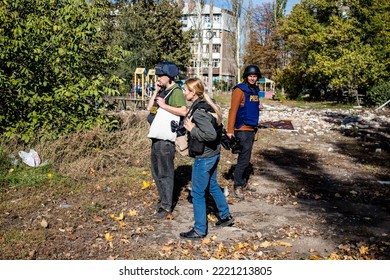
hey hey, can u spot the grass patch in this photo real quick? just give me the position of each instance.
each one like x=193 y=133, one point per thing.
x=24 y=176
x=16 y=244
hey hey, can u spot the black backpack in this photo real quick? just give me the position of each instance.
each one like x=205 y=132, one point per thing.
x=196 y=147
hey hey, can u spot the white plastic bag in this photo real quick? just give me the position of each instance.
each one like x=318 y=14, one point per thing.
x=31 y=158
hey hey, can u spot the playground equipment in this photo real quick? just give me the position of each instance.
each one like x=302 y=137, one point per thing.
x=151 y=79
x=143 y=83
x=139 y=80
x=267 y=88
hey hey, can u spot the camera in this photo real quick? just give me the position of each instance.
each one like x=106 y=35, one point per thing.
x=178 y=128
x=232 y=143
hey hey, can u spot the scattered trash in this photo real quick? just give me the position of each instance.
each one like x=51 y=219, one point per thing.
x=226 y=191
x=31 y=158
x=65 y=205
x=384 y=182
x=14 y=161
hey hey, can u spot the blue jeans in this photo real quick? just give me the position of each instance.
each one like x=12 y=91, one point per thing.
x=204 y=175
x=244 y=157
x=163 y=170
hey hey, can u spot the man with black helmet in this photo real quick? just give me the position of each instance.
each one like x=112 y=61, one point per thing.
x=242 y=123
x=168 y=96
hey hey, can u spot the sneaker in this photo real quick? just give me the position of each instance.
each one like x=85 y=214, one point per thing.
x=162 y=213
x=225 y=222
x=249 y=189
x=238 y=193
x=192 y=234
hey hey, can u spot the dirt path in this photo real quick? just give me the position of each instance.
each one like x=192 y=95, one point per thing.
x=322 y=192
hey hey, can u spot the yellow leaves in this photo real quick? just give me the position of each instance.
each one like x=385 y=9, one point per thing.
x=169 y=217
x=211 y=218
x=118 y=218
x=334 y=256
x=145 y=185
x=91 y=171
x=363 y=250
x=108 y=237
x=185 y=252
x=206 y=241
x=220 y=252
x=167 y=248
x=132 y=213
x=285 y=244
x=11 y=170
x=239 y=246
x=122 y=224
x=265 y=244
x=49 y=175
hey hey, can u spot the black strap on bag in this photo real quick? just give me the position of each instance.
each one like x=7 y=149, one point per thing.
x=153 y=111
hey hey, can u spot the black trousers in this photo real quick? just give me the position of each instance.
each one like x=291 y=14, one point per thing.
x=246 y=140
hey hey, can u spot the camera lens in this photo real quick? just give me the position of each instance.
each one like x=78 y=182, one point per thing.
x=174 y=126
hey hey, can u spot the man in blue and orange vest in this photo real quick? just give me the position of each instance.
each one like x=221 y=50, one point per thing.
x=243 y=122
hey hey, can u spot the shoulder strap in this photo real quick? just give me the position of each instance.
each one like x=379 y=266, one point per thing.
x=169 y=93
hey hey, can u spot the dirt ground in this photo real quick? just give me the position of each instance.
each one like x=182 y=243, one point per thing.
x=322 y=192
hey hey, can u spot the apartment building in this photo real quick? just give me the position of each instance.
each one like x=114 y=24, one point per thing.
x=220 y=30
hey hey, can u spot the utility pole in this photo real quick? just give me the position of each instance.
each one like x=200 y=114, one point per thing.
x=236 y=7
x=210 y=74
x=200 y=37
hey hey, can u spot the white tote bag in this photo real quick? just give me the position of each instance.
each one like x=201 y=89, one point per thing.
x=161 y=125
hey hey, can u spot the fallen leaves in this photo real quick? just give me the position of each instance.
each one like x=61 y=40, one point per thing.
x=44 y=223
x=145 y=185
x=132 y=213
x=108 y=237
x=211 y=218
x=117 y=218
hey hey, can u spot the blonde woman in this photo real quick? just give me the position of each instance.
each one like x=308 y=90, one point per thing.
x=202 y=124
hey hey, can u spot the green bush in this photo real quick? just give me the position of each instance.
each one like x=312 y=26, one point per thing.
x=54 y=62
x=379 y=94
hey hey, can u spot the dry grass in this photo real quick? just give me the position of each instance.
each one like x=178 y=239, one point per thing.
x=109 y=153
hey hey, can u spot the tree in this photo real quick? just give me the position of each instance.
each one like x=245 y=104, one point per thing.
x=336 y=44
x=151 y=32
x=54 y=67
x=265 y=47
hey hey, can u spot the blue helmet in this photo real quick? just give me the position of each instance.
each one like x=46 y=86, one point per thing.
x=167 y=68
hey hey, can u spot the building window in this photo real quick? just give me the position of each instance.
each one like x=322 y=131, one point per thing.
x=216 y=63
x=207 y=18
x=217 y=18
x=216 y=48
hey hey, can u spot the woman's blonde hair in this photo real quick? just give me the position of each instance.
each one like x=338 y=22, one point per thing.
x=196 y=85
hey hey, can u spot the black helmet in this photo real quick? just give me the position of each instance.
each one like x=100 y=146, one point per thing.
x=251 y=70
x=167 y=68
